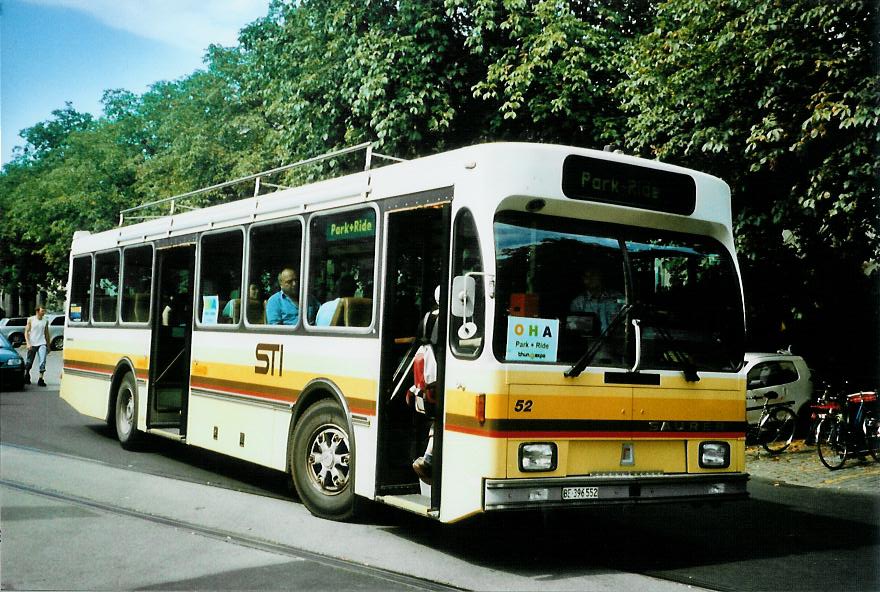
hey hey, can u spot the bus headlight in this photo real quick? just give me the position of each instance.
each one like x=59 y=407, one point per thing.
x=537 y=456
x=714 y=455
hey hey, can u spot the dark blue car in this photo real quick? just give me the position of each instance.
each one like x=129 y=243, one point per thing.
x=11 y=367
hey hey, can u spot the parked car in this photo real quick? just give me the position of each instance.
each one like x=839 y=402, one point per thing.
x=11 y=367
x=56 y=331
x=786 y=375
x=13 y=329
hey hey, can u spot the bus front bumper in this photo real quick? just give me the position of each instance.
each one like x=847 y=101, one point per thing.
x=571 y=492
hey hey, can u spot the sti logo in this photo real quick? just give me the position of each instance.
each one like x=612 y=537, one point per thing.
x=266 y=355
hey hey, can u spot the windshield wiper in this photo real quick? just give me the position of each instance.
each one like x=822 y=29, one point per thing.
x=585 y=359
x=674 y=352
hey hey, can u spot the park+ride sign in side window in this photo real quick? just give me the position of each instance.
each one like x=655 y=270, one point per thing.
x=606 y=181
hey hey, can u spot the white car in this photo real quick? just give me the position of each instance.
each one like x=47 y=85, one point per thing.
x=786 y=375
x=12 y=328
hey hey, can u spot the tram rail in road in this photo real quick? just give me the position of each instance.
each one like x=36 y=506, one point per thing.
x=382 y=578
x=399 y=553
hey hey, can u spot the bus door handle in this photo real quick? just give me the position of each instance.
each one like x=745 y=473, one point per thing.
x=635 y=323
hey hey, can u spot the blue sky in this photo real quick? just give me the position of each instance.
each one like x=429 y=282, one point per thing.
x=52 y=51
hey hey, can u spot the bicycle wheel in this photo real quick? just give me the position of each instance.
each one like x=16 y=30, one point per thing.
x=871 y=429
x=831 y=443
x=779 y=429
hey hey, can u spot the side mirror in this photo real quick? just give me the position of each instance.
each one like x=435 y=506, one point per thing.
x=464 y=290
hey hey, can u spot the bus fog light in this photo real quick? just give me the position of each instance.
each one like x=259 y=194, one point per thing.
x=714 y=455
x=537 y=456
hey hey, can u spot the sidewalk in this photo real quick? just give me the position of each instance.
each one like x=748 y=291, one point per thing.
x=800 y=465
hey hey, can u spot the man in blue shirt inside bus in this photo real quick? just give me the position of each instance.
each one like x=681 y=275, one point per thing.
x=282 y=307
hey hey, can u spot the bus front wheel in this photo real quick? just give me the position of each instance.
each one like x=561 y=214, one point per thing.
x=126 y=413
x=322 y=462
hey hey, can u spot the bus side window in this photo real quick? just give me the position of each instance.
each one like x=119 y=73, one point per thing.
x=80 y=290
x=220 y=277
x=273 y=247
x=467 y=258
x=106 y=288
x=342 y=252
x=137 y=277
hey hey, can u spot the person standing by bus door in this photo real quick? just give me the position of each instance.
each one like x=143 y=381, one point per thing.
x=428 y=336
x=36 y=336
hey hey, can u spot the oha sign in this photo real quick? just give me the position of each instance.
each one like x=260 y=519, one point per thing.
x=532 y=340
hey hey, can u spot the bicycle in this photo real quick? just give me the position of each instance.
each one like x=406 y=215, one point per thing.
x=775 y=428
x=849 y=428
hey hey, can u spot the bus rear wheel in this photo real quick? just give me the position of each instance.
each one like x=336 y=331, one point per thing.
x=322 y=462
x=126 y=413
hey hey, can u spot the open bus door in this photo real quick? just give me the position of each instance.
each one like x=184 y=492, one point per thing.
x=416 y=263
x=172 y=338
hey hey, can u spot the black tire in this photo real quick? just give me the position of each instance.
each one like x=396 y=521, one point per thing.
x=871 y=429
x=779 y=430
x=322 y=461
x=831 y=443
x=58 y=343
x=125 y=413
x=16 y=339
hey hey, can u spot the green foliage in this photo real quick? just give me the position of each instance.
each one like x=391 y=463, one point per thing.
x=551 y=65
x=331 y=74
x=780 y=100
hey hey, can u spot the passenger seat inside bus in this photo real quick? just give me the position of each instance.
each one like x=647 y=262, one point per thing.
x=256 y=312
x=353 y=312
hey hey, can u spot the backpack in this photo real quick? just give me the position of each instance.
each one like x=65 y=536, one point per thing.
x=421 y=396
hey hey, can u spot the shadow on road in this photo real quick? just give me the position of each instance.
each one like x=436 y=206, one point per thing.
x=223 y=471
x=746 y=545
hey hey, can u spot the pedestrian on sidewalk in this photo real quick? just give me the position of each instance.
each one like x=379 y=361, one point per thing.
x=36 y=336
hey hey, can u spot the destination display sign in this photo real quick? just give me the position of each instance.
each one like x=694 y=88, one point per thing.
x=605 y=181
x=351 y=228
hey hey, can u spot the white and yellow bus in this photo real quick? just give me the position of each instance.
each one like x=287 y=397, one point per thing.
x=590 y=332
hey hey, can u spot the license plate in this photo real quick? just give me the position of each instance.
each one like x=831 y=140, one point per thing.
x=579 y=493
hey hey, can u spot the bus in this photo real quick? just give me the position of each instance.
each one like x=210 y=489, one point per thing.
x=589 y=332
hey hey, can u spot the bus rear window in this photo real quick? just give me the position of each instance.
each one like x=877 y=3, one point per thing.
x=80 y=290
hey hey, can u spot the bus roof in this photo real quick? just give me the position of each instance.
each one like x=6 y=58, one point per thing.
x=489 y=172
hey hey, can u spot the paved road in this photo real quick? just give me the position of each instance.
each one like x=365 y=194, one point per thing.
x=181 y=505
x=800 y=466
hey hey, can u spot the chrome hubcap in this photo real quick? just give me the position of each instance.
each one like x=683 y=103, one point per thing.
x=126 y=411
x=328 y=459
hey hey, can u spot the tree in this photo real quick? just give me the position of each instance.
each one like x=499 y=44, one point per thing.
x=28 y=213
x=780 y=99
x=550 y=66
x=331 y=74
x=200 y=130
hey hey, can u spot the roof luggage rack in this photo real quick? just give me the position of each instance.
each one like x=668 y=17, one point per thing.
x=257 y=178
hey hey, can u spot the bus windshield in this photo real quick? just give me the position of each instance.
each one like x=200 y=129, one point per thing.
x=568 y=287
